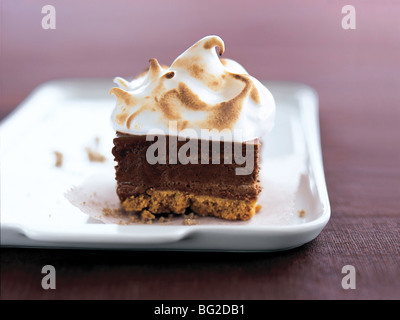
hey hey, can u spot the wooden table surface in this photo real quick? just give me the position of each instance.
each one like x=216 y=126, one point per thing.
x=356 y=73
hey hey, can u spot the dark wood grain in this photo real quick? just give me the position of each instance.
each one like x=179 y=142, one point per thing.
x=357 y=76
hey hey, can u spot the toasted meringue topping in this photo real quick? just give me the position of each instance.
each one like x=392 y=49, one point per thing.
x=198 y=91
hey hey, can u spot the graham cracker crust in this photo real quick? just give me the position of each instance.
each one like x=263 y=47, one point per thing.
x=165 y=201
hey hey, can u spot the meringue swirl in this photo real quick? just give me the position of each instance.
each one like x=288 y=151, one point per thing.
x=198 y=91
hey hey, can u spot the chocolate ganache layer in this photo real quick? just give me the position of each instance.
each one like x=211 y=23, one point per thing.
x=135 y=173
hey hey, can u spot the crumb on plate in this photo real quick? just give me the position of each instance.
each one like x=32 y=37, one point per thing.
x=59 y=158
x=301 y=213
x=95 y=156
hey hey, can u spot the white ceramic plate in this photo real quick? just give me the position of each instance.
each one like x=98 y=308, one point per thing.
x=62 y=207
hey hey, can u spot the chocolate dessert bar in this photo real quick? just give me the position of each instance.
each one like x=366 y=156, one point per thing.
x=188 y=136
x=203 y=187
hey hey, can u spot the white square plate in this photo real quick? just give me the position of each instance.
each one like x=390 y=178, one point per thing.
x=43 y=205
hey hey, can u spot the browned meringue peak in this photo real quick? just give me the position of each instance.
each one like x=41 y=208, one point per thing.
x=198 y=91
x=202 y=63
x=152 y=72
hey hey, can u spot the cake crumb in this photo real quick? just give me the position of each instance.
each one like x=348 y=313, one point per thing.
x=133 y=218
x=147 y=215
x=190 y=219
x=189 y=222
x=161 y=219
x=95 y=156
x=258 y=208
x=107 y=211
x=301 y=213
x=59 y=158
x=164 y=220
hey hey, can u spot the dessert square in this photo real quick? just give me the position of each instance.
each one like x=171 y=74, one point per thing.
x=203 y=187
x=188 y=136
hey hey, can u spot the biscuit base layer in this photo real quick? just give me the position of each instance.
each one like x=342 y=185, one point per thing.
x=166 y=201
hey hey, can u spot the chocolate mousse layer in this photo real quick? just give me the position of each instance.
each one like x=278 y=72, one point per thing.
x=137 y=171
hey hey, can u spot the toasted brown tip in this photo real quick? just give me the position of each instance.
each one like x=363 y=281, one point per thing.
x=215 y=42
x=122 y=95
x=170 y=75
x=154 y=69
x=121 y=82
